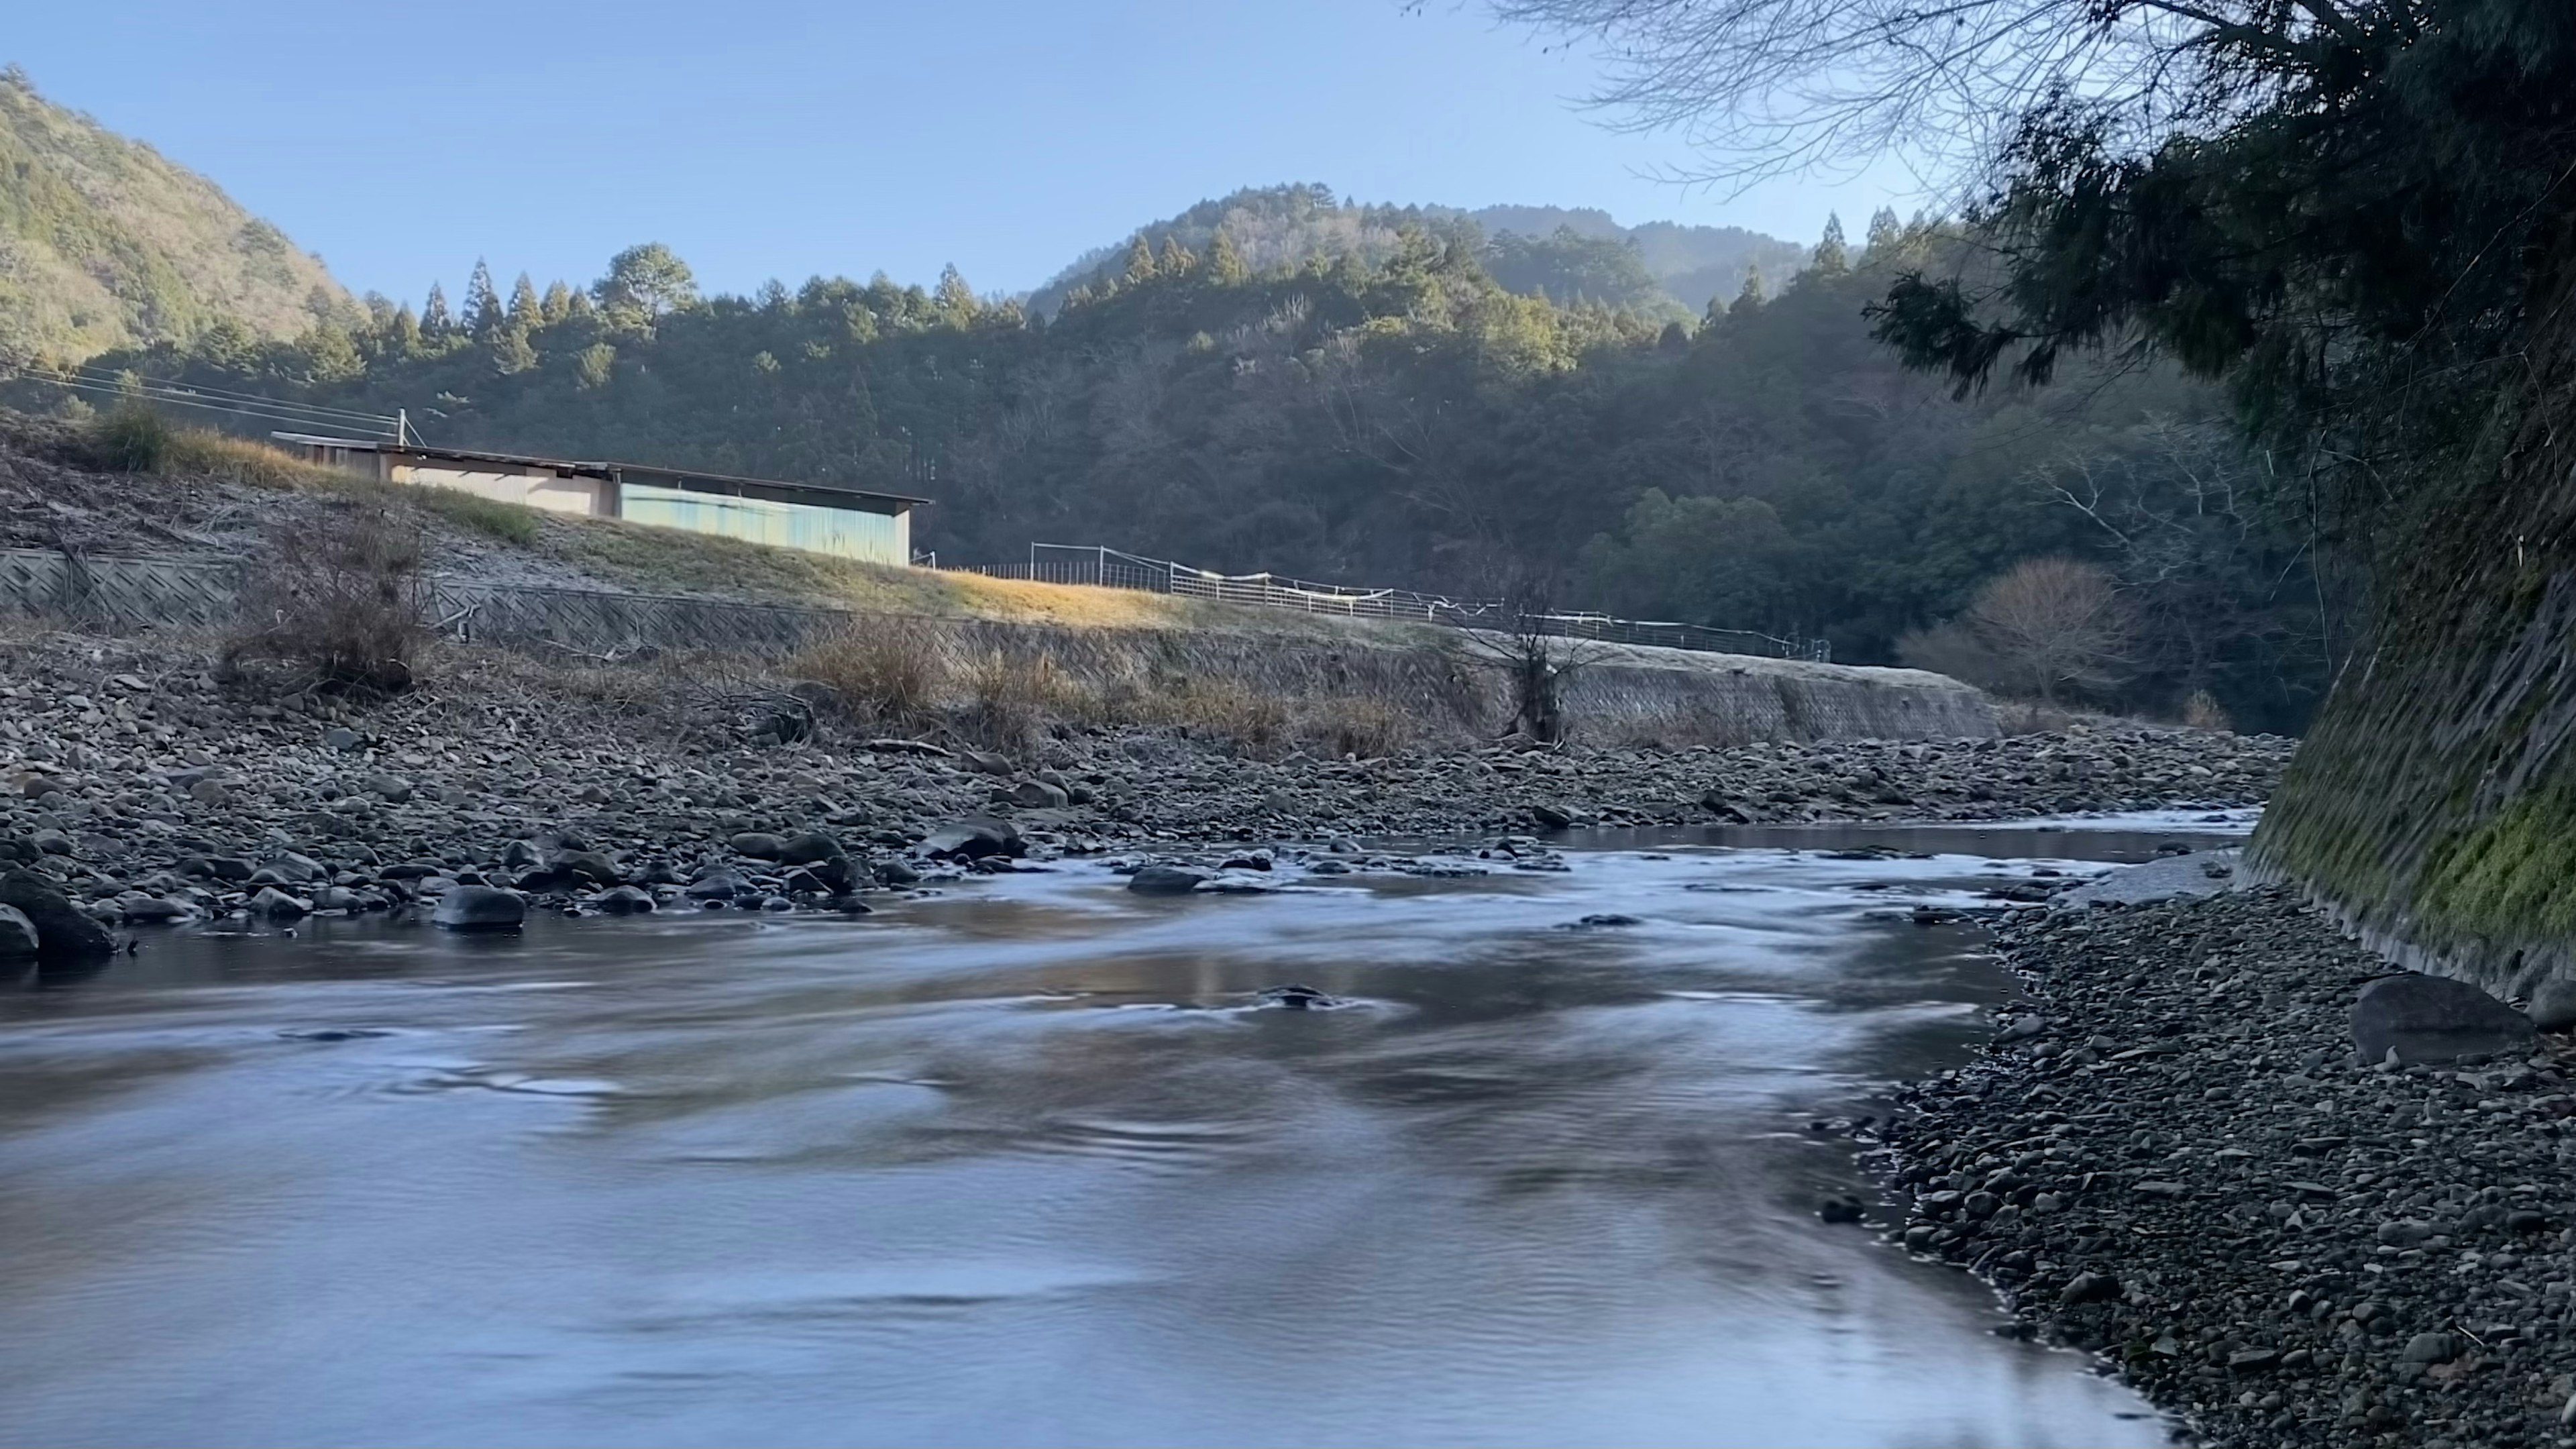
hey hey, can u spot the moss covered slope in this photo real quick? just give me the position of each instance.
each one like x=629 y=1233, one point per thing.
x=2434 y=805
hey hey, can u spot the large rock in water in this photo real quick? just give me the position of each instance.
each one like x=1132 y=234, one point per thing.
x=17 y=934
x=480 y=908
x=1164 y=880
x=2434 y=1019
x=974 y=838
x=63 y=931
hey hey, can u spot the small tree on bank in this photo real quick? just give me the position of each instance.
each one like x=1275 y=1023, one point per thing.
x=2045 y=629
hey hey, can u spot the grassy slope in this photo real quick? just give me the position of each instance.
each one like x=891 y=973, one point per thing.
x=556 y=549
x=105 y=242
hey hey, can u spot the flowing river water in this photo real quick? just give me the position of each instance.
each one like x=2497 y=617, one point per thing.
x=1030 y=1160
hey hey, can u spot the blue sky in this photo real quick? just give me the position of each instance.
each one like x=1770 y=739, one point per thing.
x=765 y=139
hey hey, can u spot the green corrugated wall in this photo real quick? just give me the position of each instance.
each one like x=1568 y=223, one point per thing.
x=841 y=532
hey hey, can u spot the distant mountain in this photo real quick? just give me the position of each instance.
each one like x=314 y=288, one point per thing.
x=105 y=243
x=1568 y=253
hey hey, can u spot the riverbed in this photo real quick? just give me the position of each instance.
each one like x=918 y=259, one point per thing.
x=1032 y=1159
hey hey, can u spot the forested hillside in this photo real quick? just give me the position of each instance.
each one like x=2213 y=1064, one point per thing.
x=1408 y=421
x=104 y=243
x=1567 y=254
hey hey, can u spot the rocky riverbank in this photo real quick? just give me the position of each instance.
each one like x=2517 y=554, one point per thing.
x=149 y=789
x=2177 y=1158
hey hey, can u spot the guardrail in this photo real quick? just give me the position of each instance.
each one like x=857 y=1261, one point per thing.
x=1096 y=566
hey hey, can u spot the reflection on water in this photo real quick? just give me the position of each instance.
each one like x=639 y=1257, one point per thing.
x=1030 y=1162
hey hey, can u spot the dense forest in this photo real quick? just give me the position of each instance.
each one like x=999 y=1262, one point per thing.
x=1407 y=420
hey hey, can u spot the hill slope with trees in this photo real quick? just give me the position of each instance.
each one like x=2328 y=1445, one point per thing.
x=105 y=243
x=1408 y=421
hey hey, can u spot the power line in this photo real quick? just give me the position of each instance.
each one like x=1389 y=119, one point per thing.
x=99 y=374
x=240 y=409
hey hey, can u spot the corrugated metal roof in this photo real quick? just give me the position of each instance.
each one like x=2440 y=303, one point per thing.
x=571 y=467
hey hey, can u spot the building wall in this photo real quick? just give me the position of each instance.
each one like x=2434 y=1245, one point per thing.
x=535 y=487
x=840 y=532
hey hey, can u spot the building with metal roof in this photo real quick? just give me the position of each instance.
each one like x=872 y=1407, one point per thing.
x=822 y=518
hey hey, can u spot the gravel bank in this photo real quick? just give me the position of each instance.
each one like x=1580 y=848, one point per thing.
x=135 y=779
x=2178 y=1160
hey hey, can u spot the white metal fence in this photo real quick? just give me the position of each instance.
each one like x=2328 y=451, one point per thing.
x=1109 y=568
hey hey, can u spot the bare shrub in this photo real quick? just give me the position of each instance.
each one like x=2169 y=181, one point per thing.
x=2202 y=711
x=1369 y=729
x=887 y=670
x=1536 y=664
x=131 y=438
x=339 y=603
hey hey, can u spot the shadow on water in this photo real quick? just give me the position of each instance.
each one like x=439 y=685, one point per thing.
x=1030 y=1160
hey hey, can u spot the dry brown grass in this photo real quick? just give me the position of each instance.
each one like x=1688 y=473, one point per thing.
x=1074 y=604
x=1368 y=729
x=888 y=670
x=1011 y=699
x=1223 y=710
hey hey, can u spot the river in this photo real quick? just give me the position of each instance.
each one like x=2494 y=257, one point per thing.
x=1030 y=1160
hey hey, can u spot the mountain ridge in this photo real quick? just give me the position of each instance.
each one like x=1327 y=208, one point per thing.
x=1679 y=266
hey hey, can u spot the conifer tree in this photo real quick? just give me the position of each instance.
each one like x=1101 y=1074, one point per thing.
x=1140 y=261
x=957 y=301
x=1225 y=264
x=483 y=312
x=524 y=306
x=1752 y=294
x=1833 y=257
x=556 y=305
x=1178 y=261
x=511 y=352
x=1885 y=232
x=435 y=320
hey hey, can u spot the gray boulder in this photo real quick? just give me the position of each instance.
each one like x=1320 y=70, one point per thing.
x=975 y=838
x=625 y=900
x=480 y=908
x=589 y=865
x=217 y=867
x=63 y=932
x=1164 y=880
x=2434 y=1019
x=277 y=905
x=1038 y=795
x=808 y=848
x=296 y=867
x=17 y=934
x=716 y=885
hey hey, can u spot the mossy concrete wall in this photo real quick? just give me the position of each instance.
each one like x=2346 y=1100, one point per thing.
x=2433 y=806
